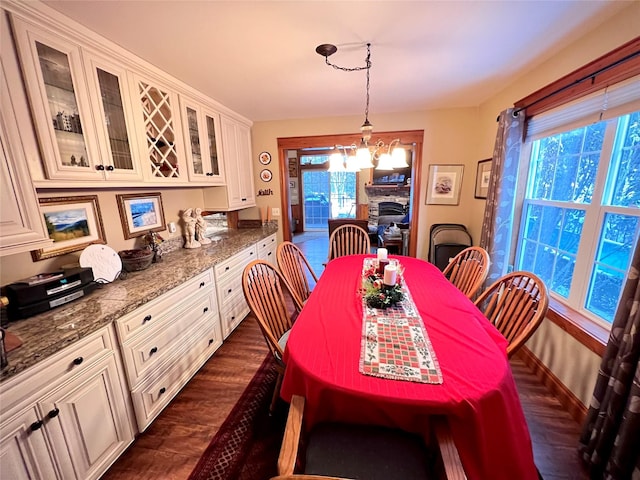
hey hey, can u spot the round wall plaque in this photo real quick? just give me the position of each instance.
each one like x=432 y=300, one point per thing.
x=266 y=175
x=264 y=158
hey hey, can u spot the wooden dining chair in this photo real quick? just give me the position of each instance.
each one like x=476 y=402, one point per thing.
x=344 y=451
x=274 y=307
x=468 y=270
x=295 y=268
x=515 y=304
x=348 y=240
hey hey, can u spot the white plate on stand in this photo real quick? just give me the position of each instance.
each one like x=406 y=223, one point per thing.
x=103 y=260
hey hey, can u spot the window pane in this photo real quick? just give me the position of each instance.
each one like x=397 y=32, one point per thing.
x=626 y=165
x=565 y=165
x=552 y=256
x=532 y=223
x=618 y=237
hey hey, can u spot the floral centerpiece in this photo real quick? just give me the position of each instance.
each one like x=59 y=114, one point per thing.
x=376 y=294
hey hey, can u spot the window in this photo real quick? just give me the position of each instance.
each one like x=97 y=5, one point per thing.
x=581 y=213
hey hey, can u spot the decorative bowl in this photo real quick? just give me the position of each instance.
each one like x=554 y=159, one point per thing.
x=136 y=259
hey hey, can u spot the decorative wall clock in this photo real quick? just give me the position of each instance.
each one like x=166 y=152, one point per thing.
x=265 y=158
x=266 y=175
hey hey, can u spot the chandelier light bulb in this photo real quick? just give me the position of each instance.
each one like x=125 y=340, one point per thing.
x=399 y=158
x=385 y=162
x=363 y=157
x=336 y=162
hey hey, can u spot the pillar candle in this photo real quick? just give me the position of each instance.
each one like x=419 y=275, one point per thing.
x=382 y=254
x=390 y=274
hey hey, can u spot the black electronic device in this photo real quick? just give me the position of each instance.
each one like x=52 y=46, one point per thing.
x=45 y=291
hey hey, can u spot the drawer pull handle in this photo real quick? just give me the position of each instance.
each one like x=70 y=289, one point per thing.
x=210 y=341
x=53 y=413
x=78 y=361
x=205 y=309
x=36 y=425
x=110 y=168
x=227 y=269
x=100 y=167
x=233 y=318
x=146 y=319
x=229 y=291
x=201 y=284
x=269 y=254
x=162 y=390
x=153 y=350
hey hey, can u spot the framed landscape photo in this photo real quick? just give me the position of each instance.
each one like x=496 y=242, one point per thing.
x=482 y=178
x=443 y=186
x=141 y=213
x=73 y=223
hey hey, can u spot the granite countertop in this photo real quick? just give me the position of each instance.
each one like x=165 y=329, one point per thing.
x=47 y=333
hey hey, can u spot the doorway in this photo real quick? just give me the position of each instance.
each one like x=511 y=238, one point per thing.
x=340 y=199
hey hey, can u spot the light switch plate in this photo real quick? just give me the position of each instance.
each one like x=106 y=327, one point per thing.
x=275 y=211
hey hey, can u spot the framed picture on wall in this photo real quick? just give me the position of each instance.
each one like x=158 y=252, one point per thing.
x=141 y=213
x=443 y=186
x=73 y=223
x=482 y=178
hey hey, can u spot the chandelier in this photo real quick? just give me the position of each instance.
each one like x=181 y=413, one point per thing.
x=355 y=158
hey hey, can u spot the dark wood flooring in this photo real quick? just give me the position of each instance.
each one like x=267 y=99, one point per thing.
x=172 y=445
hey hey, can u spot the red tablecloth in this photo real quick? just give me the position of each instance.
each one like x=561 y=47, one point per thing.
x=478 y=393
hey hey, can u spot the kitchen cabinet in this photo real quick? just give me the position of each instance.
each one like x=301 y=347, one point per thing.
x=114 y=121
x=22 y=227
x=233 y=306
x=166 y=341
x=239 y=191
x=158 y=123
x=71 y=419
x=58 y=93
x=201 y=127
x=267 y=249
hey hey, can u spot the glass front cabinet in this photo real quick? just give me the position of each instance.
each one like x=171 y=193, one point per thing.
x=201 y=128
x=57 y=91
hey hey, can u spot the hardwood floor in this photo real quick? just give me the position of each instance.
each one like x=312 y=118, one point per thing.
x=172 y=445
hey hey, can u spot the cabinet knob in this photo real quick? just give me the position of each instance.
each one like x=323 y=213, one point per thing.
x=201 y=284
x=146 y=319
x=210 y=341
x=244 y=199
x=53 y=413
x=209 y=174
x=153 y=350
x=78 y=361
x=36 y=425
x=110 y=168
x=233 y=318
x=100 y=167
x=226 y=269
x=229 y=291
x=205 y=309
x=162 y=390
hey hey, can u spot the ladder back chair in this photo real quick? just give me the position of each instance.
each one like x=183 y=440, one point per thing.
x=468 y=270
x=267 y=294
x=516 y=305
x=295 y=268
x=343 y=451
x=348 y=240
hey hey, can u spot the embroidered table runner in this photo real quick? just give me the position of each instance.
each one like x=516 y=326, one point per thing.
x=395 y=344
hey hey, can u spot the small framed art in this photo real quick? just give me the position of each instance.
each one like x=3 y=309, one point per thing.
x=141 y=213
x=443 y=187
x=482 y=178
x=73 y=223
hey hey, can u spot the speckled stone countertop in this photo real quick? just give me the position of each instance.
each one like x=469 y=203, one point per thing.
x=47 y=333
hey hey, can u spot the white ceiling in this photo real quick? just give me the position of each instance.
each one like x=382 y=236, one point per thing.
x=258 y=57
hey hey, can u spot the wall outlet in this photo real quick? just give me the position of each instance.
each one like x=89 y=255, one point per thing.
x=275 y=211
x=171 y=227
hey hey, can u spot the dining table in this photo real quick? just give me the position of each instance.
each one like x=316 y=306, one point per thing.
x=468 y=378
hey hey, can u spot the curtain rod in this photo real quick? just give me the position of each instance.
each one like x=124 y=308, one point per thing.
x=579 y=81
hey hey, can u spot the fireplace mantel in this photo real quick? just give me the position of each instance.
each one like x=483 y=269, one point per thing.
x=387 y=190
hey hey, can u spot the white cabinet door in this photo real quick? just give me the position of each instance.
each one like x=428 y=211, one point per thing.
x=22 y=226
x=86 y=420
x=113 y=116
x=24 y=451
x=55 y=82
x=236 y=144
x=202 y=141
x=158 y=122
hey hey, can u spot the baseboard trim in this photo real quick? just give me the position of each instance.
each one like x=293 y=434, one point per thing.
x=567 y=399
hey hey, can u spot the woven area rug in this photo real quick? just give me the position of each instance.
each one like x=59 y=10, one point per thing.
x=248 y=443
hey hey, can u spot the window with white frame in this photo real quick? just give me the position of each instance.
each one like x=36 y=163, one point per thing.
x=581 y=212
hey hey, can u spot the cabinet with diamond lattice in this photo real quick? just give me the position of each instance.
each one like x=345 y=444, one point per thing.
x=158 y=120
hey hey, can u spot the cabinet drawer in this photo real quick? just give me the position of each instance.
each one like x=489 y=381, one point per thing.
x=157 y=309
x=57 y=368
x=233 y=313
x=150 y=398
x=267 y=249
x=150 y=351
x=229 y=288
x=235 y=264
